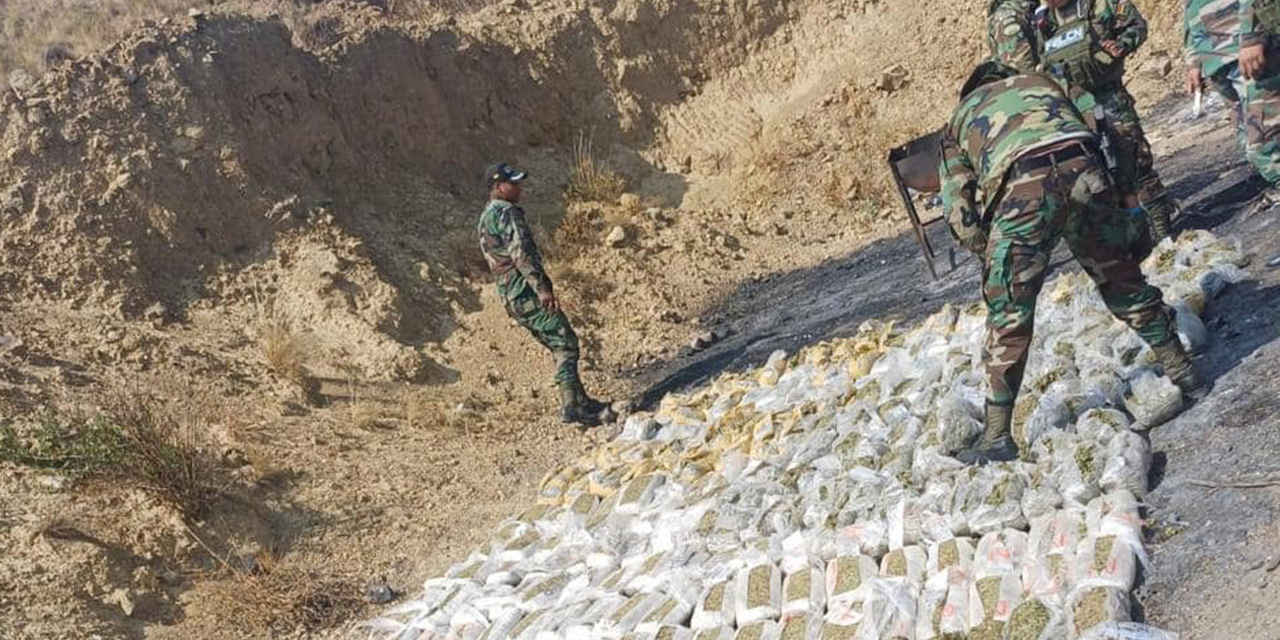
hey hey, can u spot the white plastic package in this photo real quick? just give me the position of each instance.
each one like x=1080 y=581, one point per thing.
x=804 y=592
x=758 y=594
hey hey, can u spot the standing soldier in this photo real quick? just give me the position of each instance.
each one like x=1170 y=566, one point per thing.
x=1211 y=43
x=526 y=292
x=1019 y=140
x=1235 y=45
x=1084 y=44
x=1009 y=33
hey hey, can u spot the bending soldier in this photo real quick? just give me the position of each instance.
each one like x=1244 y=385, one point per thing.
x=1084 y=43
x=526 y=291
x=1019 y=140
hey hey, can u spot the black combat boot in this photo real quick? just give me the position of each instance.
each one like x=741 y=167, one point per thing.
x=601 y=410
x=571 y=409
x=996 y=444
x=1177 y=365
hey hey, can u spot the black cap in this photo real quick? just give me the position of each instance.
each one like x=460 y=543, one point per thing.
x=503 y=172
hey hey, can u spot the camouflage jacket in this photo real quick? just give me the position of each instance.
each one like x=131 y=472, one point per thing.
x=1252 y=31
x=993 y=126
x=1009 y=34
x=509 y=249
x=1211 y=33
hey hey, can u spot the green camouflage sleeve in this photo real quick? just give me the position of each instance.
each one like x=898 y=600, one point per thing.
x=524 y=253
x=1251 y=32
x=1130 y=26
x=959 y=206
x=1193 y=35
x=1009 y=37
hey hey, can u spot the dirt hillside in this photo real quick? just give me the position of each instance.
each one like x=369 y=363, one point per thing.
x=262 y=226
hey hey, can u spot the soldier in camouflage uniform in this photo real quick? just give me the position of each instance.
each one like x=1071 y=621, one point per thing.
x=1019 y=140
x=1211 y=43
x=1009 y=34
x=1234 y=43
x=526 y=291
x=1084 y=43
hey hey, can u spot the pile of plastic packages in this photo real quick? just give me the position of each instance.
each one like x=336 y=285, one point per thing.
x=817 y=497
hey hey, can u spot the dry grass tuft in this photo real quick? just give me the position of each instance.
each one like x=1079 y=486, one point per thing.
x=590 y=179
x=165 y=456
x=136 y=439
x=279 y=597
x=286 y=351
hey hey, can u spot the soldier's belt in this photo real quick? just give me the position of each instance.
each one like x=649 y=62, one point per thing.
x=1051 y=158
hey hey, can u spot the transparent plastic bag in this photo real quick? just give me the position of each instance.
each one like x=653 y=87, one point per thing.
x=759 y=630
x=909 y=562
x=889 y=611
x=1128 y=464
x=868 y=537
x=1116 y=514
x=1127 y=631
x=954 y=552
x=1036 y=619
x=719 y=633
x=671 y=612
x=993 y=598
x=804 y=592
x=1152 y=400
x=999 y=553
x=1088 y=607
x=929 y=607
x=758 y=594
x=994 y=499
x=847 y=580
x=1077 y=466
x=1106 y=561
x=803 y=626
x=1191 y=330
x=959 y=419
x=715 y=608
x=953 y=620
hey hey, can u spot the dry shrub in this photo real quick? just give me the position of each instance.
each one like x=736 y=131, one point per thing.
x=166 y=456
x=286 y=351
x=136 y=439
x=590 y=179
x=279 y=597
x=579 y=229
x=765 y=156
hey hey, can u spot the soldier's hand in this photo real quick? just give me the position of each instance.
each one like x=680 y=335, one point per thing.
x=548 y=301
x=1252 y=59
x=1113 y=47
x=1195 y=81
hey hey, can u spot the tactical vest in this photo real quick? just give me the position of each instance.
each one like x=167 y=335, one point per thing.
x=1267 y=15
x=1072 y=53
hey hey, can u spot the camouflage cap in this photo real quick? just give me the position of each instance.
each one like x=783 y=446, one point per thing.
x=503 y=172
x=987 y=71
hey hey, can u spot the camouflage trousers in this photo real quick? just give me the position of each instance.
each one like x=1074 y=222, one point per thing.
x=1135 y=171
x=1260 y=116
x=552 y=329
x=1071 y=200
